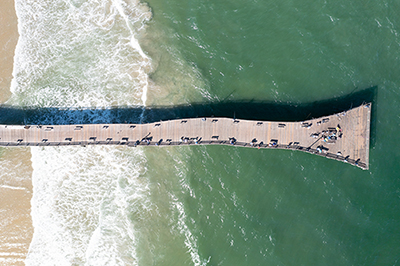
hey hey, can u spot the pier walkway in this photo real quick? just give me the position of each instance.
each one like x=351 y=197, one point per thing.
x=343 y=136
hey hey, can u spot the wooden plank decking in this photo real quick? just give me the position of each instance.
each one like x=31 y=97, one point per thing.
x=343 y=136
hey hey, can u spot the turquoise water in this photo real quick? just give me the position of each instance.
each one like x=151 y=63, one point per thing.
x=247 y=207
x=210 y=205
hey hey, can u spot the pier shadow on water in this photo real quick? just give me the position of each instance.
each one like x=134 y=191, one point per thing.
x=251 y=110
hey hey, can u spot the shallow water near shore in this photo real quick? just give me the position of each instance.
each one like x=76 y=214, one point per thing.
x=208 y=205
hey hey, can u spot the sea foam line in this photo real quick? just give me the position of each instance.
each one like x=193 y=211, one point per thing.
x=135 y=45
x=11 y=187
x=190 y=239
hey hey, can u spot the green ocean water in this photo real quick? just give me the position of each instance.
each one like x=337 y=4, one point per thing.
x=251 y=207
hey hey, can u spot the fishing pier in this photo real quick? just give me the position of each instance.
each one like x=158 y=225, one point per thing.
x=343 y=136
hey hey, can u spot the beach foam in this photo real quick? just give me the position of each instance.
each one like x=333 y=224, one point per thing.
x=82 y=205
x=177 y=205
x=83 y=54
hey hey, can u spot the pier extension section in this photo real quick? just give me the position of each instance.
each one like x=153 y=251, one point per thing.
x=343 y=136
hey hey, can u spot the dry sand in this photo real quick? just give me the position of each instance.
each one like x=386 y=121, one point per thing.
x=15 y=165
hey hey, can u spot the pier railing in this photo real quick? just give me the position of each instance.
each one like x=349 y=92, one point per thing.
x=194 y=143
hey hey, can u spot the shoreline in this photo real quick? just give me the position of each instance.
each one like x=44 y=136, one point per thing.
x=15 y=164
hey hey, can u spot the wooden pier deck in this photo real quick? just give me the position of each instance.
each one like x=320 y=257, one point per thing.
x=343 y=136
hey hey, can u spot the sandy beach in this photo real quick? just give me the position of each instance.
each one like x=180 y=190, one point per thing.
x=15 y=195
x=15 y=165
x=8 y=41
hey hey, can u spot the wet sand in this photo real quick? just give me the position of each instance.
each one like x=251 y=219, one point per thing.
x=15 y=194
x=8 y=41
x=15 y=165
